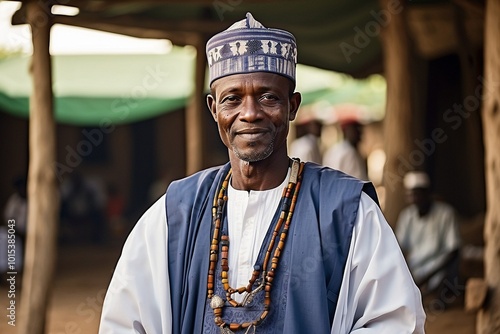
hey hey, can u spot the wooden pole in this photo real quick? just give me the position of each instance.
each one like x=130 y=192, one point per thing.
x=488 y=320
x=194 y=116
x=43 y=197
x=398 y=117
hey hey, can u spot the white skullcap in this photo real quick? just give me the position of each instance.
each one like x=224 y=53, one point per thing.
x=416 y=179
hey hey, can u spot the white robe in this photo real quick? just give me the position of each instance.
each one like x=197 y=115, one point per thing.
x=377 y=295
x=346 y=158
x=428 y=240
x=306 y=148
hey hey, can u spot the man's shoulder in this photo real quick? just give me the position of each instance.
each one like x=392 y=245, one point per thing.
x=196 y=178
x=335 y=155
x=337 y=182
x=200 y=174
x=193 y=187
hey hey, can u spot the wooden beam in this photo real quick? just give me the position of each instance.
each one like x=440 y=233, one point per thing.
x=176 y=37
x=194 y=116
x=43 y=196
x=399 y=108
x=472 y=155
x=473 y=6
x=179 y=32
x=159 y=2
x=488 y=320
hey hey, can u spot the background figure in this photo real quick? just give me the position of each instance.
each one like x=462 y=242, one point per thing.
x=83 y=208
x=306 y=146
x=345 y=155
x=115 y=208
x=428 y=235
x=16 y=209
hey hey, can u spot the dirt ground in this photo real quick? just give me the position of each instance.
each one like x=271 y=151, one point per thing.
x=84 y=271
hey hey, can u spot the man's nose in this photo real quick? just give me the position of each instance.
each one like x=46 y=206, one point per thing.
x=251 y=110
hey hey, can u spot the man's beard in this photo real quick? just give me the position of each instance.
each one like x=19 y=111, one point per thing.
x=254 y=156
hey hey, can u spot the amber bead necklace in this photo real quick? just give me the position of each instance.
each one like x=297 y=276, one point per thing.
x=261 y=274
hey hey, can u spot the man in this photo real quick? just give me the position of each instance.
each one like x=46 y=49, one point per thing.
x=428 y=234
x=306 y=146
x=263 y=244
x=345 y=156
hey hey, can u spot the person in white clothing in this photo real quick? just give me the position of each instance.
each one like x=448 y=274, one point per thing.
x=345 y=155
x=306 y=146
x=265 y=243
x=427 y=231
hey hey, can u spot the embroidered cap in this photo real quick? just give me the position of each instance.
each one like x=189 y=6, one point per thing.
x=247 y=46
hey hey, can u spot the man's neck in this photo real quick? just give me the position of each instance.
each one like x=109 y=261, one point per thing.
x=260 y=175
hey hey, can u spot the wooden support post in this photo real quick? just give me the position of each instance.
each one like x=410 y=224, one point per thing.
x=488 y=320
x=43 y=196
x=398 y=118
x=194 y=116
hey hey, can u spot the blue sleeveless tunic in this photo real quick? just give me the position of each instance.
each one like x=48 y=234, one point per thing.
x=308 y=279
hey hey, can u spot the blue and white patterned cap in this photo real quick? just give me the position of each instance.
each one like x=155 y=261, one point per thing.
x=247 y=46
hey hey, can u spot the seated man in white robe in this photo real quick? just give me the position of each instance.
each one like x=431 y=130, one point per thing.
x=428 y=233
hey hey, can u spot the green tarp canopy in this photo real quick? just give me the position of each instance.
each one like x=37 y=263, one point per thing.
x=118 y=89
x=90 y=89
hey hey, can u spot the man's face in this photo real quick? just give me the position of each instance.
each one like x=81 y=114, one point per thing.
x=253 y=112
x=353 y=133
x=418 y=196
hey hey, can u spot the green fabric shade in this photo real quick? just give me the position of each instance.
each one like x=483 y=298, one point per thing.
x=92 y=90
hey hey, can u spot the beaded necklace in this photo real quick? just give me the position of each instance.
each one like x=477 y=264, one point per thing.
x=261 y=275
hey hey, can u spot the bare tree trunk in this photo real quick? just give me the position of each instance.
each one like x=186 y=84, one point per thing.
x=488 y=320
x=43 y=197
x=194 y=117
x=398 y=117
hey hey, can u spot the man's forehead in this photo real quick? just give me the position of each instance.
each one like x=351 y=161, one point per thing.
x=242 y=80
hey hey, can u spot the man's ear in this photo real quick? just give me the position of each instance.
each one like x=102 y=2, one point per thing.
x=212 y=106
x=295 y=100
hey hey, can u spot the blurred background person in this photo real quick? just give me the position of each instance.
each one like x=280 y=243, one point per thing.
x=345 y=155
x=16 y=209
x=306 y=146
x=83 y=205
x=115 y=209
x=428 y=234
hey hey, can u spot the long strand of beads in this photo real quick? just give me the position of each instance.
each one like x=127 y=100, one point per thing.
x=289 y=197
x=214 y=246
x=281 y=244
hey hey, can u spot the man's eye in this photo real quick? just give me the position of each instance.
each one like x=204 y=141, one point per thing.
x=230 y=98
x=269 y=97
